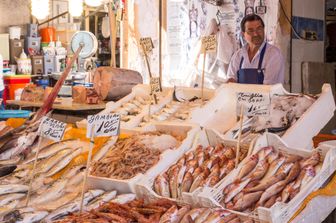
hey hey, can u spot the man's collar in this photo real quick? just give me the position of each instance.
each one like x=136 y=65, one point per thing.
x=245 y=47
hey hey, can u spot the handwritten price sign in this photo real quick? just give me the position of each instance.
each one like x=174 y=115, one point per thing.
x=103 y=125
x=209 y=43
x=147 y=44
x=51 y=129
x=254 y=104
x=155 y=85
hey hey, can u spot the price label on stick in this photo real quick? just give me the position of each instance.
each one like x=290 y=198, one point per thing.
x=209 y=43
x=155 y=85
x=103 y=125
x=254 y=104
x=147 y=44
x=51 y=129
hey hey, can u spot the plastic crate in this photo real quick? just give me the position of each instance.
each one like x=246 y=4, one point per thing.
x=300 y=134
x=166 y=159
x=144 y=188
x=279 y=212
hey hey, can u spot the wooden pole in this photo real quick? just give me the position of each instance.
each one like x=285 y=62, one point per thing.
x=33 y=171
x=239 y=135
x=204 y=57
x=113 y=34
x=87 y=168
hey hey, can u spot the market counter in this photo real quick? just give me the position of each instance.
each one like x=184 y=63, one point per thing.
x=64 y=110
x=60 y=104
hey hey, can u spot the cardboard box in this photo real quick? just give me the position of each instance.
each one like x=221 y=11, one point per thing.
x=4 y=45
x=49 y=64
x=16 y=46
x=37 y=64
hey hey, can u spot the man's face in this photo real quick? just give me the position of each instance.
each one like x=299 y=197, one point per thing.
x=254 y=33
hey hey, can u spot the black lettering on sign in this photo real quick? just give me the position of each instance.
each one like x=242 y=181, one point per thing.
x=103 y=125
x=254 y=103
x=209 y=43
x=147 y=44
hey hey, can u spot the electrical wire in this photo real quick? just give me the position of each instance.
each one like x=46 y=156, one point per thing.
x=290 y=23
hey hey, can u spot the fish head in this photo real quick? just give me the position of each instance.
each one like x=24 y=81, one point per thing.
x=310 y=170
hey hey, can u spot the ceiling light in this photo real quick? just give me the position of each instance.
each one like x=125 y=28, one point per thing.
x=40 y=8
x=75 y=7
x=93 y=3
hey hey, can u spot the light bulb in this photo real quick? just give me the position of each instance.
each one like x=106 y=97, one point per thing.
x=40 y=8
x=75 y=7
x=93 y=3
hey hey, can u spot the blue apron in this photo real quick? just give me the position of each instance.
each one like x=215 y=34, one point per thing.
x=252 y=75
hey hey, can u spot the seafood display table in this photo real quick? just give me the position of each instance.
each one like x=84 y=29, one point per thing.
x=59 y=105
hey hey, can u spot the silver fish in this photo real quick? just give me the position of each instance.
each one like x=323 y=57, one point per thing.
x=74 y=206
x=102 y=199
x=235 y=190
x=124 y=198
x=35 y=216
x=13 y=188
x=47 y=164
x=52 y=193
x=6 y=199
x=23 y=142
x=51 y=149
x=64 y=162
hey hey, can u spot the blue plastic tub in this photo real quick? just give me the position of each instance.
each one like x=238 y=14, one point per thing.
x=14 y=114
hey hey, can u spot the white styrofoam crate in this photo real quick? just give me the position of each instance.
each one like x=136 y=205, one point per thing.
x=279 y=212
x=144 y=188
x=140 y=90
x=298 y=135
x=208 y=94
x=166 y=159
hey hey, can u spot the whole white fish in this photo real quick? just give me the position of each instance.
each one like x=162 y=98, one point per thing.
x=74 y=206
x=64 y=162
x=13 y=188
x=32 y=217
x=23 y=142
x=54 y=192
x=124 y=198
x=6 y=199
x=102 y=199
x=51 y=149
x=47 y=164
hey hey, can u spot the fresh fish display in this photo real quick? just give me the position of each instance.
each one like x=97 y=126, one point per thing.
x=160 y=211
x=204 y=166
x=285 y=110
x=279 y=181
x=134 y=155
x=13 y=188
x=174 y=111
x=132 y=108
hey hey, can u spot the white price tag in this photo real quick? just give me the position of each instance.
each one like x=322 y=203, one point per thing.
x=103 y=125
x=155 y=85
x=254 y=104
x=147 y=44
x=209 y=43
x=51 y=129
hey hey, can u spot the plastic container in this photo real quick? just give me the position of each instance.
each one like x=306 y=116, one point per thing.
x=279 y=212
x=14 y=114
x=48 y=34
x=14 y=32
x=12 y=83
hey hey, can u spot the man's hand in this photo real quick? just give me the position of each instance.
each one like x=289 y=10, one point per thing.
x=231 y=80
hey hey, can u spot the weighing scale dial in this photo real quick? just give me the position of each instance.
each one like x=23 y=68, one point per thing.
x=89 y=41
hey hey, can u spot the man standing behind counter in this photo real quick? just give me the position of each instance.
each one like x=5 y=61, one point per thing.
x=257 y=62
